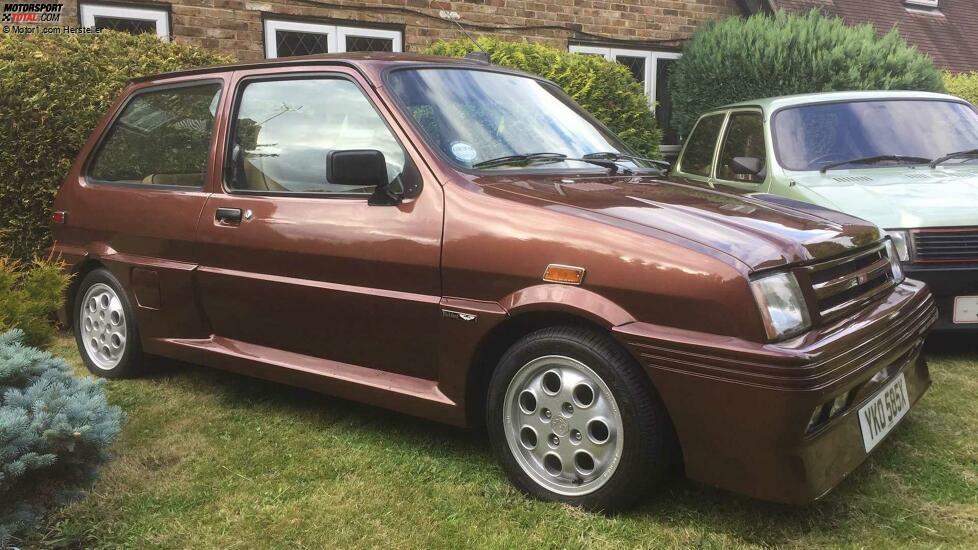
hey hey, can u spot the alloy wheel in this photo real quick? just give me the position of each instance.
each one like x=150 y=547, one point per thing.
x=563 y=425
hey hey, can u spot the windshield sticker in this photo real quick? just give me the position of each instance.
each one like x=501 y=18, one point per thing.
x=464 y=152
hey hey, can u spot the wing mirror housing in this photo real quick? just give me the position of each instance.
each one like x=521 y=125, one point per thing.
x=747 y=166
x=362 y=168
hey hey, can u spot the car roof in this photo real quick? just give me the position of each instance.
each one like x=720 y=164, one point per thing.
x=770 y=104
x=370 y=64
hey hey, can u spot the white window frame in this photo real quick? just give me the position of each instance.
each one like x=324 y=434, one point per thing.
x=923 y=3
x=651 y=70
x=88 y=12
x=361 y=32
x=335 y=34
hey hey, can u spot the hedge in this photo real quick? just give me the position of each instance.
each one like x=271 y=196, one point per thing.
x=963 y=85
x=737 y=59
x=604 y=88
x=53 y=91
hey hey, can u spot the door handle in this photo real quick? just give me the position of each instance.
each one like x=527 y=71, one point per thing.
x=228 y=216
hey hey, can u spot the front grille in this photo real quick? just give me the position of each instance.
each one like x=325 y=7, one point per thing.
x=846 y=284
x=945 y=245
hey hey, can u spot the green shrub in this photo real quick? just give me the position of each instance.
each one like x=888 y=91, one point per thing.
x=963 y=85
x=605 y=89
x=53 y=91
x=763 y=56
x=29 y=295
x=55 y=429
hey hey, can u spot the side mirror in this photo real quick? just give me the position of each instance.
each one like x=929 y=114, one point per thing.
x=747 y=166
x=362 y=168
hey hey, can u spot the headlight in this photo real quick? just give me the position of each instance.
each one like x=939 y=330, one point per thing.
x=895 y=265
x=782 y=305
x=900 y=242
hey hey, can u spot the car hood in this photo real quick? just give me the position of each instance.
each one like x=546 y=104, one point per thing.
x=902 y=197
x=761 y=231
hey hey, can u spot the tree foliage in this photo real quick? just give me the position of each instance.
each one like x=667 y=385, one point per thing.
x=739 y=59
x=54 y=89
x=55 y=429
x=604 y=88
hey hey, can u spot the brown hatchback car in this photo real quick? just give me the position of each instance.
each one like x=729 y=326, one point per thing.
x=462 y=242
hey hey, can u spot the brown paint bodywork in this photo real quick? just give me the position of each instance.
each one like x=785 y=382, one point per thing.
x=362 y=301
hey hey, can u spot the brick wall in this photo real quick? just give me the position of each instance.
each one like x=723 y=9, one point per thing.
x=236 y=27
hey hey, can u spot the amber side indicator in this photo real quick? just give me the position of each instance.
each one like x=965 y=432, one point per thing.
x=59 y=217
x=566 y=274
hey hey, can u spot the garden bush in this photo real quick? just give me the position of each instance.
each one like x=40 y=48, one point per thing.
x=963 y=85
x=55 y=429
x=53 y=91
x=604 y=88
x=29 y=294
x=739 y=59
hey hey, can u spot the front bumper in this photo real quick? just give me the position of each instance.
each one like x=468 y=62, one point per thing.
x=741 y=409
x=946 y=282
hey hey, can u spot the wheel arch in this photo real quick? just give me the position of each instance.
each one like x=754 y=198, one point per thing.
x=494 y=344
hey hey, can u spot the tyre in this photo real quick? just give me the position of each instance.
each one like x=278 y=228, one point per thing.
x=105 y=326
x=572 y=418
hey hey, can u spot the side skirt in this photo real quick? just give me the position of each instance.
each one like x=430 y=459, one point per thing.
x=406 y=394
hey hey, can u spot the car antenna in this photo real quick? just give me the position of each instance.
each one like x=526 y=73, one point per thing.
x=454 y=17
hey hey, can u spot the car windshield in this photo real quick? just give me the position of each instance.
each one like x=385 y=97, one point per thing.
x=476 y=116
x=810 y=137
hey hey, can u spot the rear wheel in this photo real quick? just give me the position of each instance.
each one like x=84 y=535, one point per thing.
x=105 y=327
x=573 y=419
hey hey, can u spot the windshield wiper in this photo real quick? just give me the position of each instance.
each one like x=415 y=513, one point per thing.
x=959 y=154
x=873 y=160
x=544 y=158
x=521 y=159
x=609 y=155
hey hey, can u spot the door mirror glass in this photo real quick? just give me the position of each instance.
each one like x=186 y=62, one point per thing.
x=746 y=166
x=362 y=168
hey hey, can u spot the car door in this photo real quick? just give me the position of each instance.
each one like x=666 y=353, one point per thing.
x=296 y=264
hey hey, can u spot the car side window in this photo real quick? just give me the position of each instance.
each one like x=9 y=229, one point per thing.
x=161 y=137
x=744 y=138
x=698 y=155
x=284 y=130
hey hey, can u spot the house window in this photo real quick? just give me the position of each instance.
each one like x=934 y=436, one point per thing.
x=289 y=38
x=652 y=70
x=130 y=19
x=922 y=3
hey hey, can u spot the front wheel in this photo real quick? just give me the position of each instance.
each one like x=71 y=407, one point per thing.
x=105 y=326
x=573 y=419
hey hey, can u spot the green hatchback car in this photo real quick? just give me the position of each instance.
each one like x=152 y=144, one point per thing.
x=906 y=161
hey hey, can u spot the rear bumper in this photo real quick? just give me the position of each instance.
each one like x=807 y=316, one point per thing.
x=741 y=409
x=946 y=282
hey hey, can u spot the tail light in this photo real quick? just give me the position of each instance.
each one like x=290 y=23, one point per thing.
x=59 y=217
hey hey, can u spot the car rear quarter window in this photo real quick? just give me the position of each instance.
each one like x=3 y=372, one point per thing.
x=161 y=137
x=284 y=129
x=697 y=158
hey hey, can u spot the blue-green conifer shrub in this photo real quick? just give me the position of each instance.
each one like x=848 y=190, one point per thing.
x=55 y=431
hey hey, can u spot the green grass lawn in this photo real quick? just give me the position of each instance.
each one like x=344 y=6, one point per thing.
x=210 y=459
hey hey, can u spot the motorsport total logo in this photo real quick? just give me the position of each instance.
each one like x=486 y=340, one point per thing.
x=31 y=13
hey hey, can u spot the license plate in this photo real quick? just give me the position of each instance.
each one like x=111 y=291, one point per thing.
x=880 y=415
x=966 y=309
